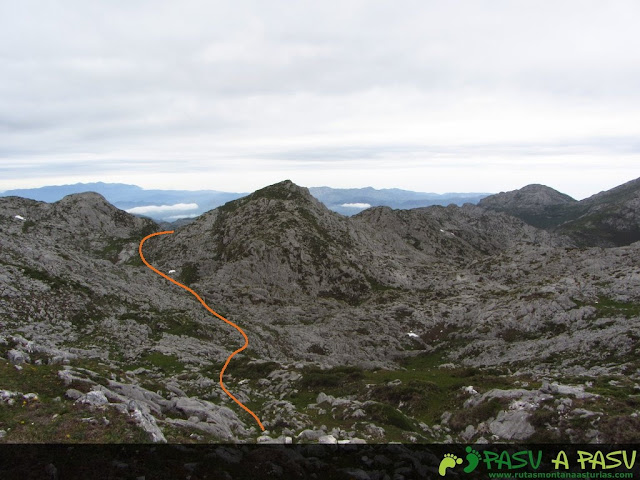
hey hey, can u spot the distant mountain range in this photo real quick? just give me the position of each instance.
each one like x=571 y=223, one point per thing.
x=610 y=218
x=171 y=205
x=349 y=201
x=176 y=203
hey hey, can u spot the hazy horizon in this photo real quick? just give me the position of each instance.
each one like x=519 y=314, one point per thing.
x=307 y=186
x=465 y=96
x=212 y=189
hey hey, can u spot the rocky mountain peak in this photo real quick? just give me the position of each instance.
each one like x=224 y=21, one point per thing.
x=87 y=197
x=279 y=238
x=90 y=212
x=625 y=192
x=86 y=203
x=84 y=220
x=285 y=191
x=609 y=218
x=530 y=197
x=537 y=205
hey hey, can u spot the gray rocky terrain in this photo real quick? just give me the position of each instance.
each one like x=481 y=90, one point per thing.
x=607 y=219
x=432 y=324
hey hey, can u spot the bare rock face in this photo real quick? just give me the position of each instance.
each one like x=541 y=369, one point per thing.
x=148 y=423
x=537 y=205
x=471 y=287
x=607 y=219
x=610 y=218
x=16 y=357
x=457 y=233
x=93 y=398
x=279 y=261
x=512 y=425
x=279 y=242
x=532 y=198
x=73 y=394
x=283 y=246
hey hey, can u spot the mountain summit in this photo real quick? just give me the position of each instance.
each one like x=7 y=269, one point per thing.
x=535 y=204
x=610 y=218
x=280 y=240
x=530 y=197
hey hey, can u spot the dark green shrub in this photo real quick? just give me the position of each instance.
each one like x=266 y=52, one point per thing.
x=386 y=414
x=246 y=368
x=414 y=395
x=474 y=415
x=621 y=429
x=316 y=378
x=189 y=274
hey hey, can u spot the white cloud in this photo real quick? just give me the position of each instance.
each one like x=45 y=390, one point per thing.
x=178 y=217
x=201 y=92
x=155 y=209
x=356 y=205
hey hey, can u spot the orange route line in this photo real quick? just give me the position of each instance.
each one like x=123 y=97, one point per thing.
x=246 y=339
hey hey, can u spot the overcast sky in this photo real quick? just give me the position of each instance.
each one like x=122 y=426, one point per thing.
x=479 y=95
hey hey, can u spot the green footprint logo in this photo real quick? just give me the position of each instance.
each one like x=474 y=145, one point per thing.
x=473 y=457
x=449 y=461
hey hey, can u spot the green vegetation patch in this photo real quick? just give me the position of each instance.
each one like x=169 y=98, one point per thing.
x=414 y=395
x=378 y=287
x=543 y=416
x=431 y=388
x=63 y=422
x=113 y=248
x=380 y=413
x=425 y=390
x=51 y=418
x=474 y=415
x=27 y=225
x=615 y=387
x=607 y=307
x=41 y=275
x=338 y=377
x=189 y=274
x=165 y=363
x=174 y=322
x=40 y=379
x=243 y=367
x=621 y=429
